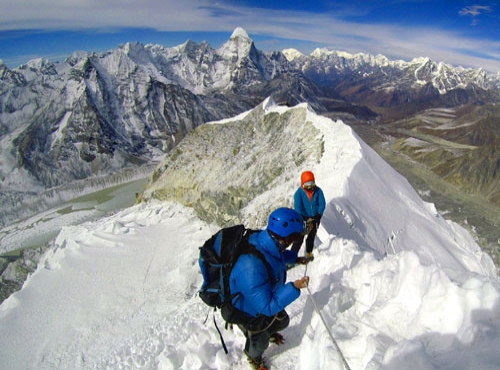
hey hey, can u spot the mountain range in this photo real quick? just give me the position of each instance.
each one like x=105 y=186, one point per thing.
x=96 y=116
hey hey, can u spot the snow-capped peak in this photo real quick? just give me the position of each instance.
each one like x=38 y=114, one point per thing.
x=420 y=60
x=268 y=103
x=345 y=54
x=318 y=52
x=291 y=54
x=239 y=32
x=37 y=63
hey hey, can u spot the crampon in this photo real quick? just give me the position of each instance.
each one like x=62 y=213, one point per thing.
x=277 y=339
x=256 y=363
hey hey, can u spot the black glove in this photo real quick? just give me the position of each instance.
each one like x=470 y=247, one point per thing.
x=317 y=219
x=302 y=261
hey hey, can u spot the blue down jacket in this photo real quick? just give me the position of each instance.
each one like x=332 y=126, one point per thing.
x=250 y=278
x=309 y=208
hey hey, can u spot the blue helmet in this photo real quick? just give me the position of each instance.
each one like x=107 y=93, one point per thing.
x=284 y=222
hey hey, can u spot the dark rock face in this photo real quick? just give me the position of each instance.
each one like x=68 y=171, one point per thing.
x=15 y=270
x=94 y=114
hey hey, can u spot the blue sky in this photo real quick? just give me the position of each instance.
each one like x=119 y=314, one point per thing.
x=461 y=33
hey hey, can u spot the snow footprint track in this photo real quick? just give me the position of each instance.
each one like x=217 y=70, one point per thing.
x=175 y=342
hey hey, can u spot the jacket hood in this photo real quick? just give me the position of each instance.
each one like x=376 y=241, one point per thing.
x=306 y=177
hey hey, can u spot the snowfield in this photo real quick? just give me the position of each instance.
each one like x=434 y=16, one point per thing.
x=398 y=286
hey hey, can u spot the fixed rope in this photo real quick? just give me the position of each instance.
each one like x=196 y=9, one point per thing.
x=344 y=360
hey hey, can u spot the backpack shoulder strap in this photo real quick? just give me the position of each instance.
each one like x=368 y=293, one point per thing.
x=246 y=248
x=230 y=236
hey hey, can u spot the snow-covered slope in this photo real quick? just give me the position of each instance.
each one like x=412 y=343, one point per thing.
x=397 y=285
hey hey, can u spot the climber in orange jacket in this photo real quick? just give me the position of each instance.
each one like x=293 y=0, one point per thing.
x=309 y=201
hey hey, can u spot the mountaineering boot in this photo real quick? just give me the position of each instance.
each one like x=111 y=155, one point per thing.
x=277 y=339
x=257 y=363
x=309 y=256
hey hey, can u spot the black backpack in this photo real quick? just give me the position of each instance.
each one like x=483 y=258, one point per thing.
x=216 y=268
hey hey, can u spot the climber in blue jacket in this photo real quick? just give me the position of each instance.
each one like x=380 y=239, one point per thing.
x=262 y=293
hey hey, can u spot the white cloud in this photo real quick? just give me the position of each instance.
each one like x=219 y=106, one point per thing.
x=474 y=10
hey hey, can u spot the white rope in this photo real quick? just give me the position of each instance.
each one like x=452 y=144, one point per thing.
x=346 y=364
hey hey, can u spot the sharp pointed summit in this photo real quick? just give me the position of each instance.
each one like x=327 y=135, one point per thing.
x=239 y=45
x=239 y=33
